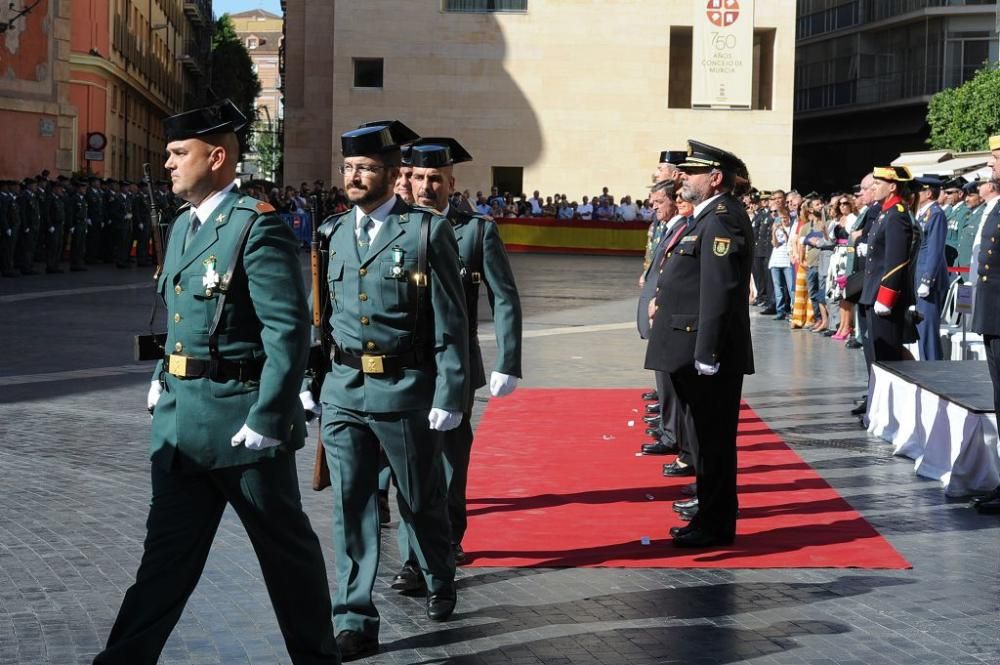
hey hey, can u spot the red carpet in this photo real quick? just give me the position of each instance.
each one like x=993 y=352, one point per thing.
x=554 y=482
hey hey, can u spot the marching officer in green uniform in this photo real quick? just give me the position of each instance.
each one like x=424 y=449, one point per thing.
x=399 y=373
x=57 y=225
x=77 y=203
x=484 y=261
x=31 y=221
x=226 y=415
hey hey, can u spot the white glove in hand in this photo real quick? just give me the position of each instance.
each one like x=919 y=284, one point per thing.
x=881 y=309
x=153 y=396
x=706 y=370
x=442 y=420
x=502 y=385
x=252 y=440
x=862 y=249
x=923 y=291
x=310 y=406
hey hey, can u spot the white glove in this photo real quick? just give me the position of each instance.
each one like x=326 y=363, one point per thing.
x=706 y=370
x=502 y=385
x=310 y=406
x=252 y=440
x=862 y=249
x=881 y=309
x=923 y=291
x=90 y=222
x=442 y=420
x=140 y=227
x=52 y=229
x=153 y=396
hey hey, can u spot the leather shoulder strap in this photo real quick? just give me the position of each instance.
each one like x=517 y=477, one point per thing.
x=235 y=260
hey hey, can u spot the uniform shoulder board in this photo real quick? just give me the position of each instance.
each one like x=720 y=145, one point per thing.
x=330 y=223
x=900 y=208
x=420 y=208
x=264 y=207
x=721 y=208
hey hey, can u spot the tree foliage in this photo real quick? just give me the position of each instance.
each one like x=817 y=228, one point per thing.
x=962 y=119
x=232 y=72
x=268 y=149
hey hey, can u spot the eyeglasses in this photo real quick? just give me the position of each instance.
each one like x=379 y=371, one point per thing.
x=844 y=203
x=362 y=170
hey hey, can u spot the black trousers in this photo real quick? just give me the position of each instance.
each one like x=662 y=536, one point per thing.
x=992 y=344
x=184 y=515
x=676 y=425
x=715 y=408
x=884 y=340
x=762 y=278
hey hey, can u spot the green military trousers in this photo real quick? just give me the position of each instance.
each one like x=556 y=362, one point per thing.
x=184 y=514
x=352 y=439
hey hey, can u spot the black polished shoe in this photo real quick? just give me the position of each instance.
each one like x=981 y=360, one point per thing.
x=655 y=433
x=651 y=420
x=768 y=311
x=686 y=504
x=384 y=517
x=688 y=515
x=353 y=645
x=651 y=396
x=991 y=507
x=983 y=498
x=829 y=333
x=409 y=579
x=659 y=448
x=690 y=490
x=675 y=469
x=440 y=605
x=460 y=556
x=853 y=344
x=700 y=538
x=653 y=409
x=860 y=409
x=678 y=530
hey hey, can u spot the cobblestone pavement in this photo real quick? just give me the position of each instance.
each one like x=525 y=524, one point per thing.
x=74 y=489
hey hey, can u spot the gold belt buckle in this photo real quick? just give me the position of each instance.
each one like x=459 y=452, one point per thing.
x=177 y=365
x=477 y=278
x=420 y=279
x=372 y=364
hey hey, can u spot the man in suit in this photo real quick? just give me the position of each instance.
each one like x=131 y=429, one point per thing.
x=484 y=261
x=887 y=293
x=399 y=375
x=985 y=278
x=931 y=274
x=701 y=332
x=226 y=415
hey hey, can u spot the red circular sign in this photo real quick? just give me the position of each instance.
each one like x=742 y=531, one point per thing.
x=723 y=13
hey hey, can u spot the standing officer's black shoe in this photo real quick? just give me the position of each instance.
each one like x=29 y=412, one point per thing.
x=675 y=469
x=699 y=538
x=460 y=556
x=653 y=409
x=440 y=605
x=651 y=396
x=853 y=344
x=983 y=498
x=690 y=490
x=678 y=530
x=651 y=420
x=681 y=506
x=659 y=448
x=409 y=579
x=655 y=433
x=860 y=409
x=688 y=515
x=353 y=645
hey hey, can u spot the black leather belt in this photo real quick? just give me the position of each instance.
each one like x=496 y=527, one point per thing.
x=184 y=367
x=375 y=364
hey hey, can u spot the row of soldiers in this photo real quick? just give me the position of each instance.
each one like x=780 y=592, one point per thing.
x=91 y=220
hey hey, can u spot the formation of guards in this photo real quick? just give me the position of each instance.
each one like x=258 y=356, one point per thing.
x=46 y=224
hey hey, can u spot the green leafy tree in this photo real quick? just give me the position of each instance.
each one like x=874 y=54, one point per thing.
x=963 y=118
x=232 y=72
x=268 y=149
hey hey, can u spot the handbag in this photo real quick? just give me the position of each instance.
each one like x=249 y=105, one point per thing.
x=855 y=284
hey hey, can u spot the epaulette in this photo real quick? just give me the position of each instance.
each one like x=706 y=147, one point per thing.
x=721 y=208
x=421 y=208
x=256 y=205
x=330 y=223
x=900 y=208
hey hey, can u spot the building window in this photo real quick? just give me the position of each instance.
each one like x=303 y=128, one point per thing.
x=252 y=42
x=485 y=5
x=509 y=179
x=679 y=81
x=368 y=72
x=763 y=70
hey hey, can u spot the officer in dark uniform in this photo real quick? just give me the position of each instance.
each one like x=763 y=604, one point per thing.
x=141 y=224
x=226 y=415
x=31 y=220
x=701 y=332
x=931 y=273
x=887 y=292
x=985 y=277
x=77 y=220
x=763 y=223
x=56 y=230
x=43 y=191
x=96 y=221
x=400 y=372
x=117 y=211
x=10 y=225
x=484 y=261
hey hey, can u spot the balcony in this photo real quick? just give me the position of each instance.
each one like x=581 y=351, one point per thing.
x=199 y=12
x=194 y=57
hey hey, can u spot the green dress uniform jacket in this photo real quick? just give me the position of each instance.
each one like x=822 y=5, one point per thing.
x=372 y=312
x=967 y=237
x=264 y=321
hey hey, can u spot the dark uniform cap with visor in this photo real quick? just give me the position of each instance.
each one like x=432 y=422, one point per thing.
x=703 y=156
x=219 y=118
x=435 y=152
x=375 y=138
x=929 y=181
x=674 y=157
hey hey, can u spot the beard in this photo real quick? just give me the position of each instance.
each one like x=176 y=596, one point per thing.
x=369 y=192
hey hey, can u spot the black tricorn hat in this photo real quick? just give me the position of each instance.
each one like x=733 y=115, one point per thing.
x=674 y=157
x=219 y=118
x=701 y=155
x=435 y=152
x=375 y=138
x=954 y=183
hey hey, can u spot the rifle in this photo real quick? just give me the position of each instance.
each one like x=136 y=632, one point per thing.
x=319 y=353
x=154 y=223
x=152 y=345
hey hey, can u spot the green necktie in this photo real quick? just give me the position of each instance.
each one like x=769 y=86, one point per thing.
x=192 y=230
x=364 y=235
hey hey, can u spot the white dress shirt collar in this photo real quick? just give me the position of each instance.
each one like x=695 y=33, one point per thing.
x=207 y=207
x=704 y=204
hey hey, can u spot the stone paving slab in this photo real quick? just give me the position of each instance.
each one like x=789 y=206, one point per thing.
x=74 y=489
